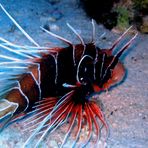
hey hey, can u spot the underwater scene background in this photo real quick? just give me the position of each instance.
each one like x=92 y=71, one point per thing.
x=125 y=106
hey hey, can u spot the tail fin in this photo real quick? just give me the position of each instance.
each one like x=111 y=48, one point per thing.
x=7 y=110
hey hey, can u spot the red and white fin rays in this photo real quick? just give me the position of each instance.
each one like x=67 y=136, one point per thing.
x=119 y=39
x=64 y=110
x=118 y=54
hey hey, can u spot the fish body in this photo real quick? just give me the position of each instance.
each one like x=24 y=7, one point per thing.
x=55 y=85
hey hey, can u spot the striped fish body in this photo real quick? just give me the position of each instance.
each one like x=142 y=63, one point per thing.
x=47 y=76
x=50 y=72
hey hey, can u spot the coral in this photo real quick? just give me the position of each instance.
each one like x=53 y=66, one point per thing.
x=123 y=17
x=141 y=6
x=118 y=13
x=141 y=14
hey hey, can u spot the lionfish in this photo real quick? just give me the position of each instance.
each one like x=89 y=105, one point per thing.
x=54 y=86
